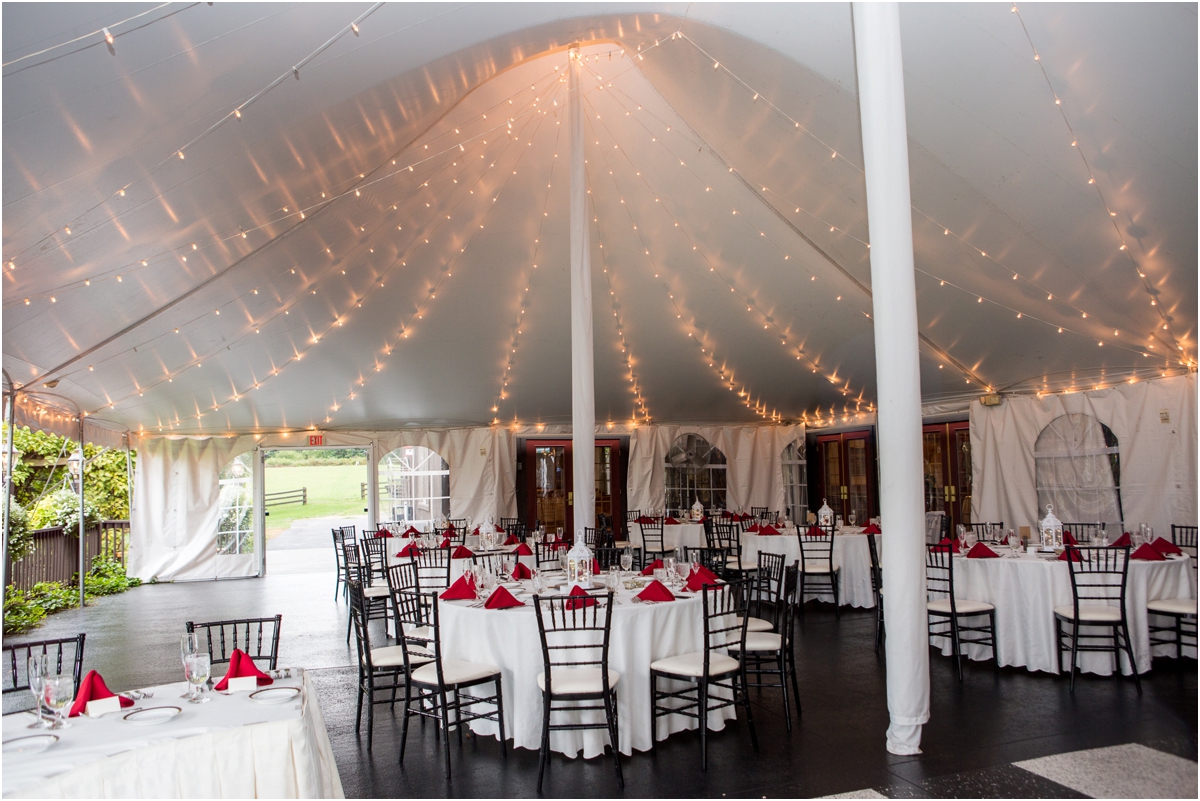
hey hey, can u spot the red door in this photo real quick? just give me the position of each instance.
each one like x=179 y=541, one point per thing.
x=946 y=451
x=551 y=483
x=846 y=475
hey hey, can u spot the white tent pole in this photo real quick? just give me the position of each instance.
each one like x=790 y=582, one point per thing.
x=372 y=509
x=11 y=417
x=897 y=369
x=82 y=534
x=583 y=395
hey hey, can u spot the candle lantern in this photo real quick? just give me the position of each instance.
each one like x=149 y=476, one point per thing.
x=1051 y=530
x=579 y=563
x=825 y=514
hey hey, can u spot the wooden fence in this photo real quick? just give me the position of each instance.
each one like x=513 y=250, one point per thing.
x=299 y=496
x=55 y=554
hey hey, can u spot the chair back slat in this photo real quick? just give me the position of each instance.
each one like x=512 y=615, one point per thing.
x=433 y=566
x=574 y=635
x=816 y=552
x=652 y=536
x=1085 y=532
x=987 y=532
x=725 y=616
x=1098 y=575
x=939 y=573
x=67 y=652
x=546 y=553
x=257 y=637
x=712 y=558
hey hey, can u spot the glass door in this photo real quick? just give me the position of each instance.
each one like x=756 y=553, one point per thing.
x=859 y=471
x=829 y=457
x=551 y=483
x=947 y=467
x=846 y=480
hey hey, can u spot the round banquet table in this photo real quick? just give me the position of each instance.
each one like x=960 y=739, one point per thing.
x=850 y=553
x=641 y=633
x=675 y=535
x=1025 y=589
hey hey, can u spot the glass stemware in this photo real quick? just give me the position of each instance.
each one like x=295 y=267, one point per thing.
x=39 y=667
x=626 y=560
x=189 y=644
x=197 y=667
x=58 y=691
x=852 y=517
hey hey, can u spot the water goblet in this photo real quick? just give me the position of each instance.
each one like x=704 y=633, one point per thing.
x=682 y=571
x=660 y=574
x=39 y=667
x=558 y=534
x=58 y=691
x=539 y=582
x=669 y=567
x=507 y=564
x=852 y=517
x=537 y=536
x=562 y=560
x=189 y=644
x=198 y=667
x=626 y=560
x=613 y=578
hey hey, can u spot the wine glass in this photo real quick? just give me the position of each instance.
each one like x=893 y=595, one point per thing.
x=506 y=565
x=852 y=517
x=39 y=666
x=58 y=691
x=189 y=644
x=562 y=559
x=626 y=560
x=558 y=534
x=682 y=571
x=669 y=567
x=537 y=536
x=539 y=582
x=197 y=667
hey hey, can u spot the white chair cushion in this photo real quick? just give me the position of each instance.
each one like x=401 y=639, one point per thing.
x=376 y=592
x=1100 y=613
x=820 y=568
x=454 y=671
x=1173 y=606
x=693 y=664
x=732 y=561
x=761 y=641
x=757 y=624
x=393 y=656
x=623 y=544
x=571 y=681
x=420 y=632
x=963 y=606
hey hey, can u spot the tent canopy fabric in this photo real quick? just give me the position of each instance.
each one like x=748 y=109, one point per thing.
x=251 y=217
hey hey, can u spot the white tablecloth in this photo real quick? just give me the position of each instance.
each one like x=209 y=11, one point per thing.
x=231 y=747
x=641 y=633
x=1025 y=591
x=687 y=535
x=850 y=552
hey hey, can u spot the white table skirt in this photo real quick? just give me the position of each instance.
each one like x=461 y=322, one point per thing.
x=641 y=633
x=687 y=535
x=850 y=552
x=231 y=747
x=1025 y=591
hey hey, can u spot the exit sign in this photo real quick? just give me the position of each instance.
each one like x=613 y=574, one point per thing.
x=316 y=439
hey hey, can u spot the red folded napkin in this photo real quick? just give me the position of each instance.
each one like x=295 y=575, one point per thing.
x=499 y=530
x=1165 y=546
x=813 y=531
x=767 y=531
x=871 y=528
x=476 y=531
x=445 y=543
x=655 y=591
x=512 y=540
x=449 y=528
x=579 y=599
x=410 y=532
x=523 y=550
x=981 y=551
x=461 y=590
x=1121 y=541
x=650 y=568
x=1146 y=551
x=643 y=520
x=945 y=544
x=1070 y=553
x=462 y=552
x=701 y=576
x=408 y=550
x=240 y=666
x=752 y=529
x=670 y=521
x=501 y=599
x=93 y=689
x=725 y=514
x=383 y=532
x=521 y=572
x=1068 y=539
x=596 y=567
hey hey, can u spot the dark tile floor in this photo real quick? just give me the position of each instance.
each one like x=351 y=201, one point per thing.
x=976 y=730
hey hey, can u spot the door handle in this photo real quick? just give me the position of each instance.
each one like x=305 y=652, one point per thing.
x=570 y=499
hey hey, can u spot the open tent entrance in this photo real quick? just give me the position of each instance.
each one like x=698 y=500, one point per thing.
x=306 y=492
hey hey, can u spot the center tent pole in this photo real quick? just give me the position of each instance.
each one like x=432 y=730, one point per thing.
x=897 y=370
x=583 y=395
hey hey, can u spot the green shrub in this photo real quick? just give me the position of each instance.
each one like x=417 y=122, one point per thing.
x=61 y=508
x=26 y=610
x=107 y=577
x=20 y=540
x=20 y=615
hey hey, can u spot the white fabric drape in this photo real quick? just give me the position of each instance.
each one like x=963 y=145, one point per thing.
x=176 y=500
x=753 y=454
x=1155 y=426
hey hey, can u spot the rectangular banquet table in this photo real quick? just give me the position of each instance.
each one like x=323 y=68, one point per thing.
x=1025 y=589
x=850 y=552
x=641 y=633
x=231 y=747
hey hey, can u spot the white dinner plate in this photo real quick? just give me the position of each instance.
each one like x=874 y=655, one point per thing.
x=33 y=744
x=152 y=716
x=275 y=695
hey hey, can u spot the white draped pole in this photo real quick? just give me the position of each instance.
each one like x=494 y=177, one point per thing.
x=898 y=377
x=583 y=395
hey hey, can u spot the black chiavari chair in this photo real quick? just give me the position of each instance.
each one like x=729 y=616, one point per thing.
x=433 y=566
x=339 y=539
x=1098 y=579
x=819 y=573
x=987 y=532
x=63 y=651
x=876 y=588
x=652 y=540
x=374 y=555
x=256 y=637
x=1180 y=611
x=545 y=554
x=777 y=646
x=376 y=598
x=1085 y=533
x=950 y=616
x=713 y=559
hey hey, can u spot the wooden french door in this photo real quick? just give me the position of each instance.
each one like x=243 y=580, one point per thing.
x=846 y=475
x=551 y=479
x=947 y=458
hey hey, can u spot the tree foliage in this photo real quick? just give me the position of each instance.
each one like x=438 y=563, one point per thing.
x=106 y=484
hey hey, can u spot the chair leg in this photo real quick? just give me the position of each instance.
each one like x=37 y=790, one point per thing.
x=956 y=647
x=837 y=606
x=1074 y=650
x=544 y=751
x=995 y=641
x=444 y=721
x=703 y=719
x=1137 y=681
x=370 y=711
x=749 y=714
x=795 y=688
x=358 y=716
x=653 y=714
x=787 y=707
x=458 y=716
x=610 y=702
x=1058 y=641
x=404 y=723
x=500 y=718
x=1179 y=637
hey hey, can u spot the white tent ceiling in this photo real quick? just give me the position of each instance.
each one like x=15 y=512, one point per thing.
x=409 y=297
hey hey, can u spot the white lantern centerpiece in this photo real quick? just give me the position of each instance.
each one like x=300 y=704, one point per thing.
x=697 y=510
x=1051 y=529
x=579 y=563
x=824 y=514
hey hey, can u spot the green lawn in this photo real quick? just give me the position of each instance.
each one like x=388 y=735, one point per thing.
x=332 y=490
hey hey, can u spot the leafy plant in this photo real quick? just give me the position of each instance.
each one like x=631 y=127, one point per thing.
x=107 y=577
x=61 y=508
x=38 y=471
x=20 y=540
x=20 y=615
x=26 y=610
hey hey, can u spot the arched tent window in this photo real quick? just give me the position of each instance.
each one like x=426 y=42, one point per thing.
x=414 y=486
x=695 y=471
x=795 y=482
x=235 y=519
x=1078 y=466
